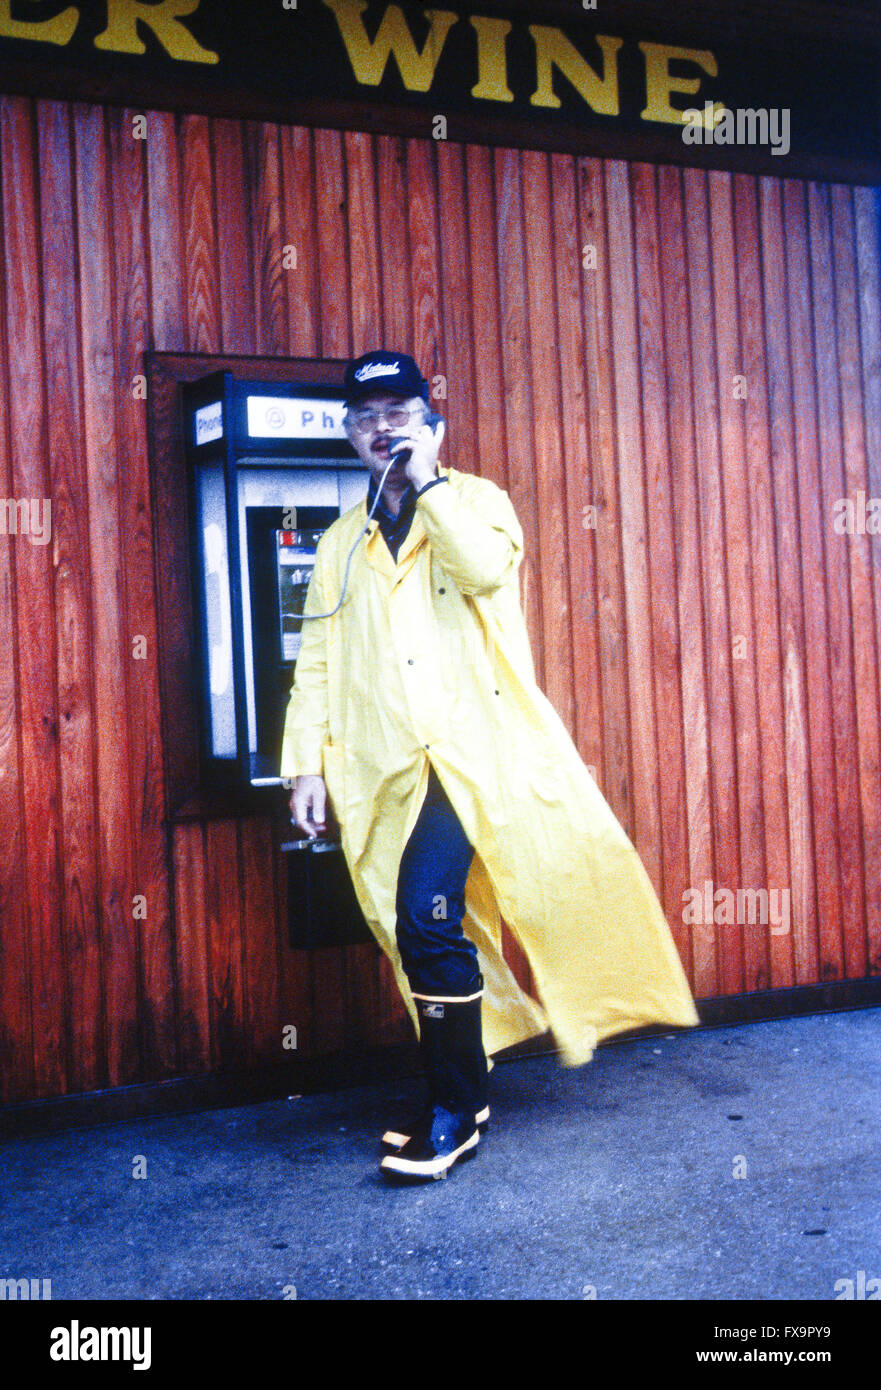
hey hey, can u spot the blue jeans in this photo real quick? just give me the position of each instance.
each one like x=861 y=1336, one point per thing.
x=437 y=957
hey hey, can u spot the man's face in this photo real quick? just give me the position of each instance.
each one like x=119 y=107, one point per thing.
x=369 y=428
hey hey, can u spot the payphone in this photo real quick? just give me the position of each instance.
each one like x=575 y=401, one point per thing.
x=269 y=468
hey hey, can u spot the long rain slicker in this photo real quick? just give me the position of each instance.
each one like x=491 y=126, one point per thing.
x=429 y=658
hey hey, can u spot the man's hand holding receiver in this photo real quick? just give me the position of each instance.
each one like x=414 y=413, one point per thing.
x=424 y=442
x=309 y=805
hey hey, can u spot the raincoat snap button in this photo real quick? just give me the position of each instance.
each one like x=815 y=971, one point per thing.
x=442 y=591
x=410 y=661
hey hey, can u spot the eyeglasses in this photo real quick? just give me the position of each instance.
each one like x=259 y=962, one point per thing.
x=397 y=416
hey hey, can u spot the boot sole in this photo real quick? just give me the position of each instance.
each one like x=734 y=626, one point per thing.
x=392 y=1140
x=429 y=1169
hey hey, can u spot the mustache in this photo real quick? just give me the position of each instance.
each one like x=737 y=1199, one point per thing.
x=401 y=446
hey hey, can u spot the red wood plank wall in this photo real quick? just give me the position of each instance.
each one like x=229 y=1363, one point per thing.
x=712 y=386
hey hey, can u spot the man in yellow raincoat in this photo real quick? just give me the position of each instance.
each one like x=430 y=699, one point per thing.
x=460 y=796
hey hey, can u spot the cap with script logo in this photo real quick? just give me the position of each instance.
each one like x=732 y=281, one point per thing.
x=384 y=371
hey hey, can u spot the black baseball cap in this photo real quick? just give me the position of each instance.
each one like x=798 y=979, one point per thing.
x=384 y=371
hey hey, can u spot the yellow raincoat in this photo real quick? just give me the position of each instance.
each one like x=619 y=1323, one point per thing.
x=429 y=658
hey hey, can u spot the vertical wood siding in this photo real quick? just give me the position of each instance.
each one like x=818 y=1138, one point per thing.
x=712 y=644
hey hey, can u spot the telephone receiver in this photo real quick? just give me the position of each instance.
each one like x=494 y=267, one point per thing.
x=403 y=452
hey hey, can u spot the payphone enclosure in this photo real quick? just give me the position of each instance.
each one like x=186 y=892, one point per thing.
x=269 y=468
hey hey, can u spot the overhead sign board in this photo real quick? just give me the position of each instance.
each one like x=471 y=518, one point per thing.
x=549 y=76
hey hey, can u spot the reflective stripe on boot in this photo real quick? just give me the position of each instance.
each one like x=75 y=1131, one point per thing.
x=440 y=1142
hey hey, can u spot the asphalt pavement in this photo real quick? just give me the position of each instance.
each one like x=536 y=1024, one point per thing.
x=731 y=1163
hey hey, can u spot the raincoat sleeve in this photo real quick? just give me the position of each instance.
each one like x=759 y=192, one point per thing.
x=474 y=532
x=306 y=721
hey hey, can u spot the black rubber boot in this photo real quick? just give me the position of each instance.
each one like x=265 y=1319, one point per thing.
x=455 y=1064
x=395 y=1139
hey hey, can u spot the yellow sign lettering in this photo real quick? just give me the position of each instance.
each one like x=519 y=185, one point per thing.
x=58 y=30
x=369 y=60
x=492 y=63
x=123 y=17
x=659 y=82
x=554 y=50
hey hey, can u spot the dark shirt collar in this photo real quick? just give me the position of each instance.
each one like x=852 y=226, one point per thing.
x=408 y=500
